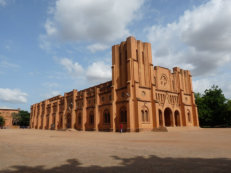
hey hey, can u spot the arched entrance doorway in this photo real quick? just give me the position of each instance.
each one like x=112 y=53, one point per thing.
x=68 y=125
x=160 y=118
x=177 y=118
x=167 y=117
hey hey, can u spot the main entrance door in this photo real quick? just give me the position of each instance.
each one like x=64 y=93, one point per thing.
x=167 y=117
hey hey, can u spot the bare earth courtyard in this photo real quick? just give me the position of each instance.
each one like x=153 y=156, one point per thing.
x=179 y=150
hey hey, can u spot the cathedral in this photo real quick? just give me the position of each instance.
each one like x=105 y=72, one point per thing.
x=140 y=97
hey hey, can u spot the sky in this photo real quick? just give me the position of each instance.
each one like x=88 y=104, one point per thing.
x=49 y=47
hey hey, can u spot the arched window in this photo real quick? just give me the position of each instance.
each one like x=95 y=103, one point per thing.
x=123 y=115
x=145 y=116
x=68 y=121
x=47 y=123
x=61 y=121
x=41 y=120
x=106 y=117
x=136 y=54
x=53 y=121
x=91 y=118
x=79 y=119
x=160 y=118
x=189 y=115
x=143 y=119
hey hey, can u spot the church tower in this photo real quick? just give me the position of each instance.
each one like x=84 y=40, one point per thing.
x=132 y=78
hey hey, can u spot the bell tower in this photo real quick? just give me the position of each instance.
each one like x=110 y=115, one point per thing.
x=132 y=78
x=132 y=63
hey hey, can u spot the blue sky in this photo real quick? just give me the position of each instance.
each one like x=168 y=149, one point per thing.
x=48 y=47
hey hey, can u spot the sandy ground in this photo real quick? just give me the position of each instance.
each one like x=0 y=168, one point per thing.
x=179 y=150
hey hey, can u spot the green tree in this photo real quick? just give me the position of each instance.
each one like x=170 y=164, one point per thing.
x=228 y=113
x=22 y=118
x=2 y=121
x=25 y=118
x=213 y=107
x=16 y=118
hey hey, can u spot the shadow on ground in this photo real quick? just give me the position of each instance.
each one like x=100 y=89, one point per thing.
x=137 y=164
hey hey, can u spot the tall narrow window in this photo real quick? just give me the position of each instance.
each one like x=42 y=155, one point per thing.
x=92 y=118
x=146 y=116
x=143 y=57
x=136 y=54
x=107 y=117
x=173 y=85
x=160 y=118
x=47 y=121
x=143 y=119
x=79 y=119
x=189 y=116
x=125 y=116
x=61 y=122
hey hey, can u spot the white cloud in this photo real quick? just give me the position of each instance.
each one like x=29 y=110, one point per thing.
x=99 y=72
x=6 y=64
x=73 y=68
x=12 y=95
x=3 y=3
x=94 y=73
x=200 y=40
x=90 y=20
x=201 y=85
x=45 y=43
x=222 y=80
x=50 y=28
x=51 y=94
x=5 y=107
x=97 y=47
x=50 y=84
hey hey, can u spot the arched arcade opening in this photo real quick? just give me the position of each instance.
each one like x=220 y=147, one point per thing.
x=168 y=117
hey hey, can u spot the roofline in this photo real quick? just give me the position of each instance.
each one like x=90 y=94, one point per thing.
x=10 y=109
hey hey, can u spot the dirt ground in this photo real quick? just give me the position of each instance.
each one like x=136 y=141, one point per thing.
x=179 y=150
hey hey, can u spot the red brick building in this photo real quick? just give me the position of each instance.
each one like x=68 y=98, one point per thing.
x=139 y=96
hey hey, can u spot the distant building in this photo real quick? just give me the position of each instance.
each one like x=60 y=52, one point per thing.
x=140 y=97
x=7 y=115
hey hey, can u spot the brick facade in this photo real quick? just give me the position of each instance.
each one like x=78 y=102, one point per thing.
x=140 y=97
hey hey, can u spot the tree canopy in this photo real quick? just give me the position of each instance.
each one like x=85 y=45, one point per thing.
x=2 y=121
x=213 y=108
x=22 y=118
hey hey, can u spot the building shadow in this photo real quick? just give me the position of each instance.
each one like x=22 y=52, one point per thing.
x=135 y=165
